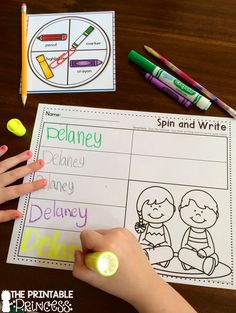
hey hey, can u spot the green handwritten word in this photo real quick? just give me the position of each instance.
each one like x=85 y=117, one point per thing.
x=80 y=137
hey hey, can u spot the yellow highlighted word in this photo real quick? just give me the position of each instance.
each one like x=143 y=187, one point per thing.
x=47 y=246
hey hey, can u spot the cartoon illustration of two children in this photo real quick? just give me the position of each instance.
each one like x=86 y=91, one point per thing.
x=198 y=210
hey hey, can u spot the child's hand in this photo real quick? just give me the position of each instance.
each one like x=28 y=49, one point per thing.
x=9 y=177
x=135 y=281
x=135 y=275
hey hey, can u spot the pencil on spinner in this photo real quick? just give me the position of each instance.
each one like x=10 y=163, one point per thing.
x=24 y=53
x=192 y=82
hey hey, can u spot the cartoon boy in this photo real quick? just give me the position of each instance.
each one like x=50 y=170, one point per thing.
x=155 y=206
x=199 y=211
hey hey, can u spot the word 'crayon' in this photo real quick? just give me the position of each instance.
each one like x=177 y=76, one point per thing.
x=83 y=63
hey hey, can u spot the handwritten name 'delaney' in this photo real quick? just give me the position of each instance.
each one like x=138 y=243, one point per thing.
x=79 y=137
x=39 y=212
x=66 y=187
x=59 y=159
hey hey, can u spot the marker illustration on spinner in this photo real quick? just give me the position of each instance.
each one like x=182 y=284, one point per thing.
x=50 y=60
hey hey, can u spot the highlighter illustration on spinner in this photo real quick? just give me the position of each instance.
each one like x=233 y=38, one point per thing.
x=44 y=66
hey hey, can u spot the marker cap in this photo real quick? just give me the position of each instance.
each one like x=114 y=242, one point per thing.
x=16 y=127
x=89 y=30
x=203 y=103
x=141 y=61
x=104 y=263
x=40 y=58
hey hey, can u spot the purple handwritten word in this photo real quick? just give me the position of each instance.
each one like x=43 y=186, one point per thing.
x=37 y=212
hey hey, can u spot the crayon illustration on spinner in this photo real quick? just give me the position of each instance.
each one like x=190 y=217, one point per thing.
x=71 y=53
x=196 y=255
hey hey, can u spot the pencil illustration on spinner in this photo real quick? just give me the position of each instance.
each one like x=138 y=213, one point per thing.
x=155 y=206
x=196 y=255
x=70 y=53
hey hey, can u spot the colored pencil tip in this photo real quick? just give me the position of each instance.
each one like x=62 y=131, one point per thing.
x=147 y=48
x=24 y=98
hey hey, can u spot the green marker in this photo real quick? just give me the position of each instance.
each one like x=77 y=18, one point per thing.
x=82 y=37
x=104 y=263
x=190 y=94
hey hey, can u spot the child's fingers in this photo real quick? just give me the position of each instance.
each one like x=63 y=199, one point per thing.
x=81 y=271
x=8 y=215
x=78 y=267
x=11 y=176
x=3 y=150
x=16 y=191
x=91 y=240
x=15 y=160
x=103 y=231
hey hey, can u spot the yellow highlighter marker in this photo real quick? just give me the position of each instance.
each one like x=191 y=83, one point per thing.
x=44 y=66
x=104 y=263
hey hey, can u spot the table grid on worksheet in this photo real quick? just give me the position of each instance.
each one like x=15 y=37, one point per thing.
x=133 y=160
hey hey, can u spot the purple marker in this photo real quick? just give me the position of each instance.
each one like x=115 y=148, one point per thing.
x=174 y=94
x=83 y=63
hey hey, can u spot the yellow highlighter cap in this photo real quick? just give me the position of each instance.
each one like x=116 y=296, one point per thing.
x=40 y=58
x=104 y=263
x=16 y=127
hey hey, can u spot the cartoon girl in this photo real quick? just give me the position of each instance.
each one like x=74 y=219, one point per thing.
x=155 y=206
x=199 y=211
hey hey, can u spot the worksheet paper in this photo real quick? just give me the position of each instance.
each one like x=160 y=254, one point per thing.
x=170 y=179
x=71 y=52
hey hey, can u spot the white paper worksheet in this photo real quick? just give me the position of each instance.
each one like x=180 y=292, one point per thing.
x=170 y=179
